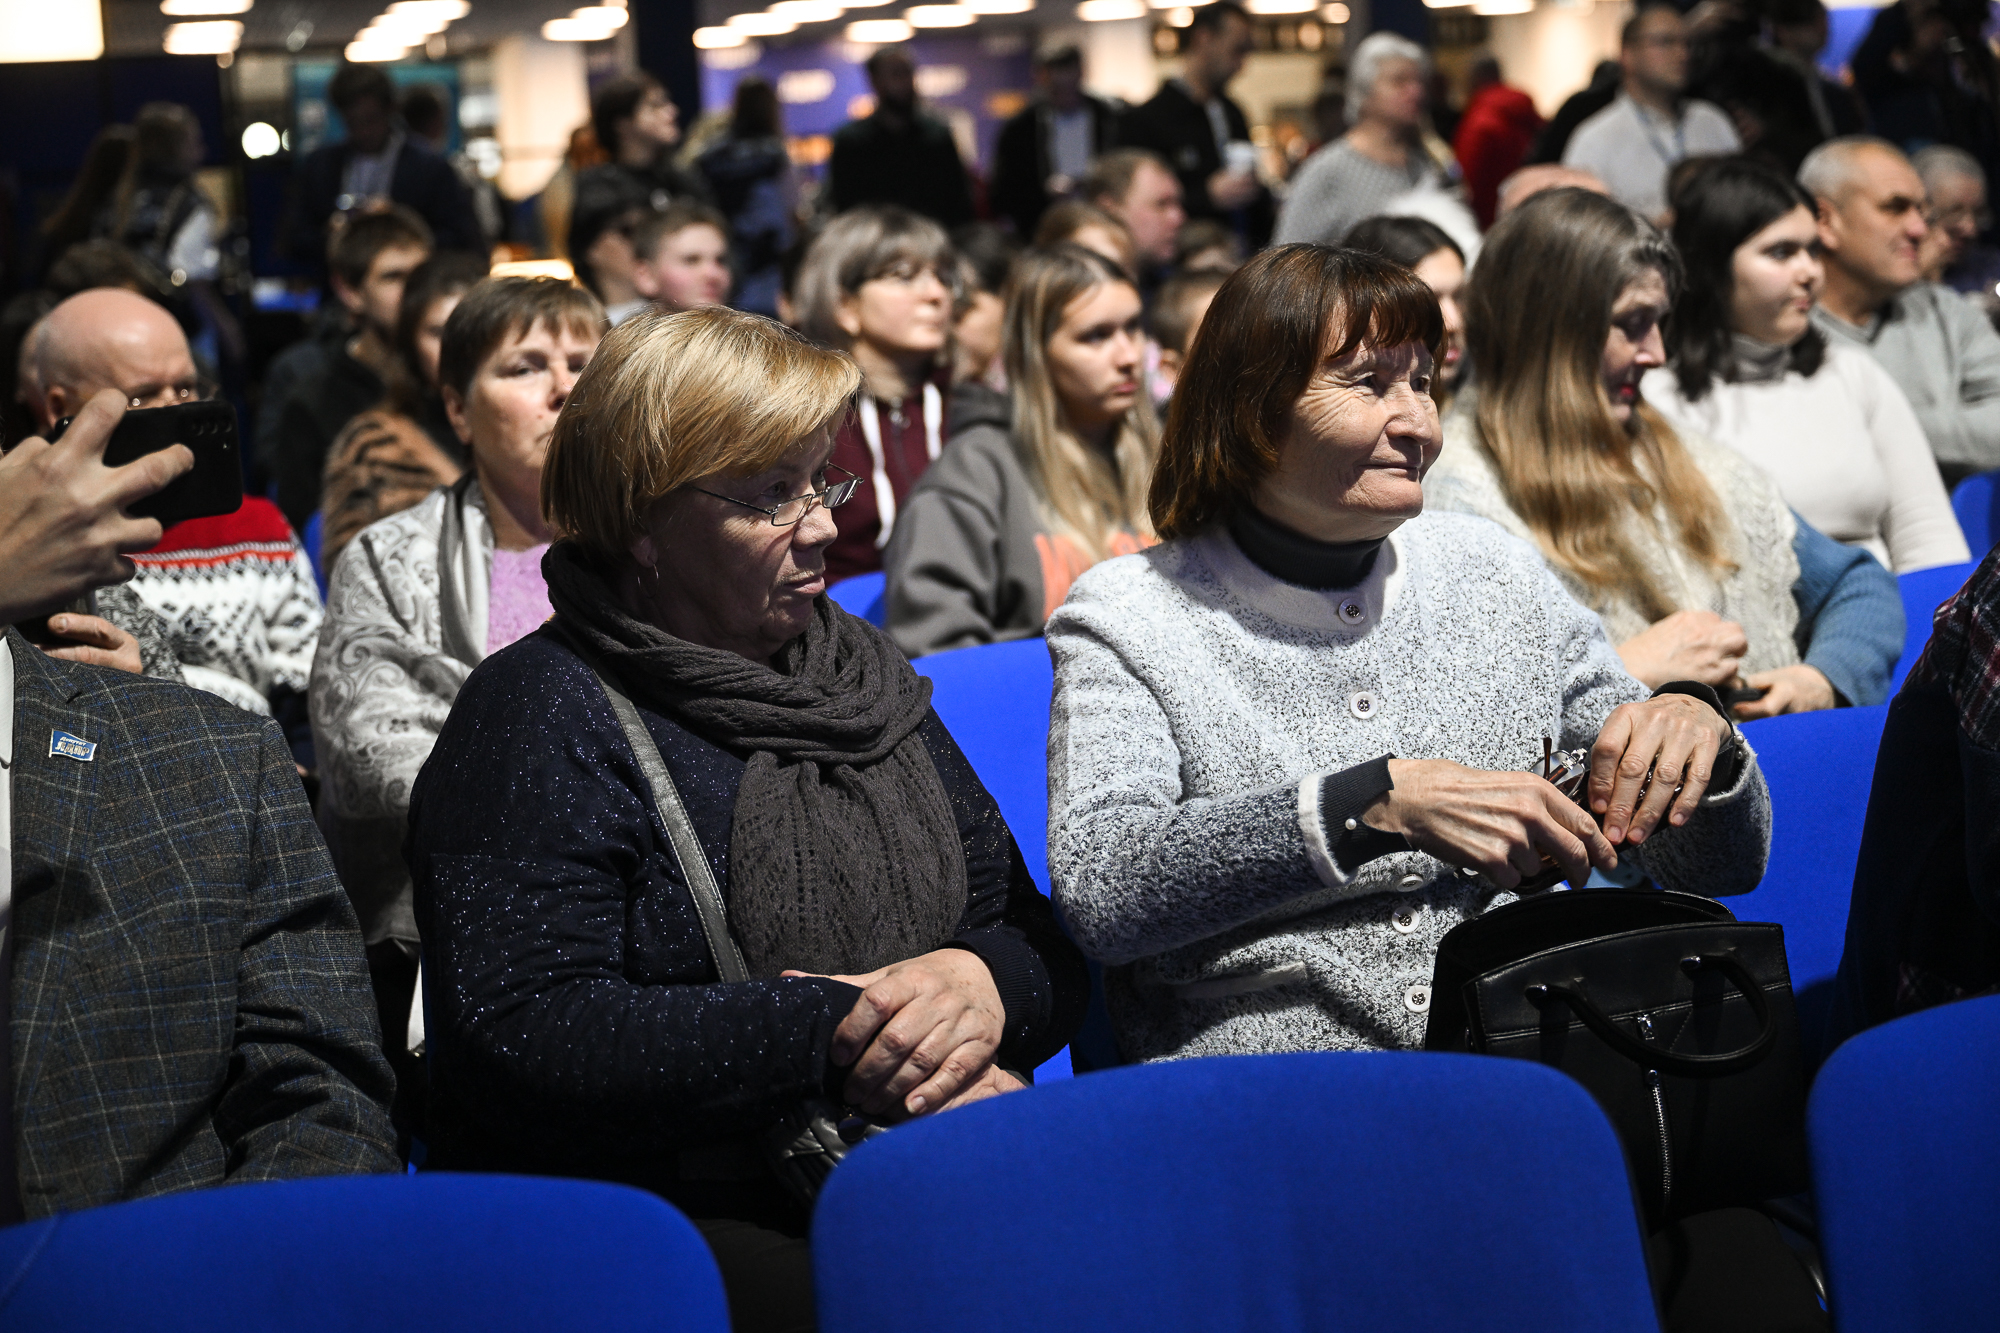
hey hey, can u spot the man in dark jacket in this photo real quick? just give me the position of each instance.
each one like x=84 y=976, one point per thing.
x=1190 y=120
x=1044 y=151
x=898 y=155
x=190 y=1006
x=377 y=164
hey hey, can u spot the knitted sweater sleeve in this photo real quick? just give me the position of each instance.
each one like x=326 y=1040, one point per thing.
x=1139 y=867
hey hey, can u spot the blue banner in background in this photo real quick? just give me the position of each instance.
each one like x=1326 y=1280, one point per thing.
x=973 y=83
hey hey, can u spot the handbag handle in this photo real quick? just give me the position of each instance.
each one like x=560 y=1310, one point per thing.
x=1652 y=1057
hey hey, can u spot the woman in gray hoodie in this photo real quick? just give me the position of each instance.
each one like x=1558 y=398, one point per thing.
x=1034 y=489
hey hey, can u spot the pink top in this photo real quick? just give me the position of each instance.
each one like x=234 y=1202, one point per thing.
x=519 y=600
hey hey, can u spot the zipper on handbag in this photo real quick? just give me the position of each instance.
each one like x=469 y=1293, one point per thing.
x=1653 y=1086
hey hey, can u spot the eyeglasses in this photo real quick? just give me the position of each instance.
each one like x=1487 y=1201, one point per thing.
x=796 y=508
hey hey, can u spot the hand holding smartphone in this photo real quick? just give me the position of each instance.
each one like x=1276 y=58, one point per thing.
x=208 y=429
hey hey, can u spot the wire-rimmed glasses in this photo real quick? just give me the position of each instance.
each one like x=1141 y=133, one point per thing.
x=795 y=509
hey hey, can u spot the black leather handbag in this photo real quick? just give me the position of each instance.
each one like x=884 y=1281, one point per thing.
x=1676 y=1016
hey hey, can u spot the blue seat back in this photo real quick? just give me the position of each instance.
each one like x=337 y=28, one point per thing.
x=1923 y=593
x=1906 y=1172
x=1819 y=767
x=1389 y=1190
x=995 y=702
x=864 y=596
x=1976 y=501
x=311 y=539
x=367 y=1254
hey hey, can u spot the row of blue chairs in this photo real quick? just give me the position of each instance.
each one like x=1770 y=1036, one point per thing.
x=1304 y=1192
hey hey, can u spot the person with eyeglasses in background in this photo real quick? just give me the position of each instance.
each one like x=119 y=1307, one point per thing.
x=875 y=940
x=419 y=599
x=1958 y=214
x=1941 y=351
x=1650 y=127
x=877 y=283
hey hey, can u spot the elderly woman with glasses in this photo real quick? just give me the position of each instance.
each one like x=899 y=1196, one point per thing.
x=696 y=856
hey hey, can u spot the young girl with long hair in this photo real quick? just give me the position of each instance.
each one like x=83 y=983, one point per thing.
x=1020 y=504
x=1683 y=547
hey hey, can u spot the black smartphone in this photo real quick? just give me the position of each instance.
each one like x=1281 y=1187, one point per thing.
x=215 y=486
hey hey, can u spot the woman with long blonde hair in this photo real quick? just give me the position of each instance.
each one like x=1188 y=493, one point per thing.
x=1683 y=547
x=1021 y=503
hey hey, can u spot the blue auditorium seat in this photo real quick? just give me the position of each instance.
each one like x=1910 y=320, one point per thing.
x=1377 y=1191
x=1976 y=501
x=311 y=539
x=438 y=1253
x=1923 y=593
x=1906 y=1172
x=864 y=596
x=1819 y=767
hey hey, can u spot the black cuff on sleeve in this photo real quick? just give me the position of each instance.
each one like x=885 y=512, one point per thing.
x=1729 y=759
x=1018 y=975
x=841 y=999
x=1342 y=798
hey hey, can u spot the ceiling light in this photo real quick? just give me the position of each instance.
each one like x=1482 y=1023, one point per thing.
x=50 y=30
x=1281 y=6
x=1105 y=11
x=861 y=4
x=879 y=32
x=260 y=139
x=202 y=39
x=608 y=17
x=1336 y=13
x=999 y=6
x=807 y=11
x=761 y=25
x=939 y=16
x=716 y=39
x=440 y=12
x=1495 y=8
x=574 y=30
x=364 y=52
x=183 y=8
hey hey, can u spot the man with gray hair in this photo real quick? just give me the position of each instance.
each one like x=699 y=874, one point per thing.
x=1650 y=128
x=1955 y=184
x=1937 y=346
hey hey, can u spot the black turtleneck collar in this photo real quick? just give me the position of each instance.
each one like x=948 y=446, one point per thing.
x=1296 y=558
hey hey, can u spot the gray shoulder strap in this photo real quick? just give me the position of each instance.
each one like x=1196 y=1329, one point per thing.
x=680 y=832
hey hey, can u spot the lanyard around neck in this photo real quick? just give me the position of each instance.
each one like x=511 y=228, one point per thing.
x=878 y=457
x=1680 y=136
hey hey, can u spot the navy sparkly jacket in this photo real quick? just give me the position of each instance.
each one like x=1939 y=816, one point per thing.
x=574 y=1017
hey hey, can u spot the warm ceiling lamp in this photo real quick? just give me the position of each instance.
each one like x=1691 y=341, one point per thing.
x=438 y=12
x=1107 y=11
x=50 y=30
x=1336 y=13
x=608 y=17
x=719 y=38
x=368 y=49
x=1270 y=7
x=202 y=39
x=807 y=11
x=1496 y=8
x=999 y=6
x=939 y=16
x=189 y=8
x=574 y=30
x=761 y=25
x=879 y=32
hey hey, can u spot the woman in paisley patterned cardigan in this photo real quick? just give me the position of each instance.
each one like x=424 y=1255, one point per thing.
x=420 y=598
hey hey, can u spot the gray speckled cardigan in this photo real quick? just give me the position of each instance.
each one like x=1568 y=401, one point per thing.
x=1198 y=703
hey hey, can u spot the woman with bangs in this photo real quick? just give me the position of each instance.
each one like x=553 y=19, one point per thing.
x=699 y=723
x=1290 y=745
x=878 y=285
x=1039 y=487
x=1683 y=546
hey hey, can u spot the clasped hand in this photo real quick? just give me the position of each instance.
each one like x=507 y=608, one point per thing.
x=1502 y=823
x=922 y=1037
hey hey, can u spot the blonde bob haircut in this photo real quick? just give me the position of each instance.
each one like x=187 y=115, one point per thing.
x=671 y=398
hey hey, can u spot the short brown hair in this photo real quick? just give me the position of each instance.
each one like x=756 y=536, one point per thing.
x=364 y=237
x=497 y=309
x=1172 y=317
x=1270 y=326
x=678 y=216
x=673 y=397
x=1110 y=175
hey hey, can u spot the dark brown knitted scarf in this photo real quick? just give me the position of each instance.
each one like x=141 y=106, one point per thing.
x=844 y=854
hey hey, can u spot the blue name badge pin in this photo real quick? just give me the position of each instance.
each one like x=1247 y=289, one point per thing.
x=71 y=747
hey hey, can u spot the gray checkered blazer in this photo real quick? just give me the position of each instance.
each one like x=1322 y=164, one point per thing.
x=190 y=1004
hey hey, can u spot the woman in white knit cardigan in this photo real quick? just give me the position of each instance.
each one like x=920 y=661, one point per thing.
x=1748 y=370
x=1288 y=744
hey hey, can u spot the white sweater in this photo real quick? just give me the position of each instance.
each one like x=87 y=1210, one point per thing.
x=1844 y=449
x=1198 y=703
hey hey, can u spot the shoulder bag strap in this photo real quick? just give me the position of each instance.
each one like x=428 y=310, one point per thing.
x=680 y=832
